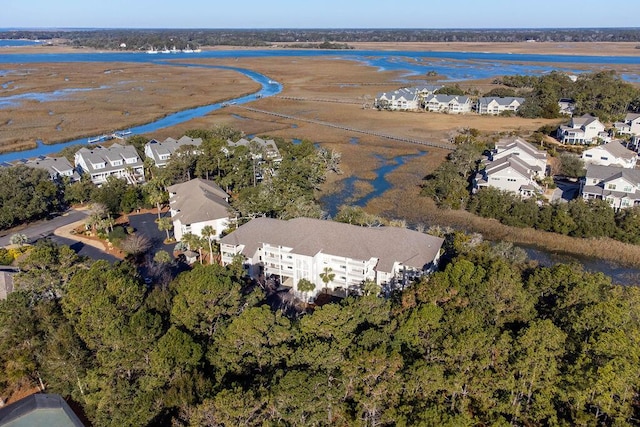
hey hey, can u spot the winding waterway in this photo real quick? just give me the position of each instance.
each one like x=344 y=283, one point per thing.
x=451 y=65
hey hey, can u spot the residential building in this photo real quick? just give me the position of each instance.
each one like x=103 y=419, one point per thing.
x=260 y=149
x=121 y=161
x=57 y=167
x=620 y=187
x=39 y=410
x=585 y=129
x=566 y=106
x=508 y=174
x=633 y=120
x=336 y=257
x=497 y=105
x=197 y=203
x=452 y=104
x=405 y=98
x=161 y=152
x=535 y=159
x=611 y=154
x=513 y=165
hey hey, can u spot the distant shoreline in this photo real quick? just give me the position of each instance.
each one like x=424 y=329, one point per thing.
x=541 y=48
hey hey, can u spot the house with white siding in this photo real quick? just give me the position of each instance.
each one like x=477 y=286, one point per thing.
x=611 y=154
x=404 y=99
x=261 y=149
x=336 y=257
x=452 y=104
x=197 y=203
x=161 y=152
x=497 y=105
x=121 y=161
x=513 y=165
x=619 y=187
x=57 y=167
x=585 y=129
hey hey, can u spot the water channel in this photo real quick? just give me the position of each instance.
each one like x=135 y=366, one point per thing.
x=450 y=65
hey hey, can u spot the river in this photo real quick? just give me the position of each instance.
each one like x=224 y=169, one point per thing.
x=452 y=65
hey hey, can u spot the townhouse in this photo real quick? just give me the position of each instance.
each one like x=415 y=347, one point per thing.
x=121 y=161
x=497 y=105
x=619 y=187
x=161 y=152
x=585 y=129
x=513 y=165
x=404 y=99
x=57 y=167
x=611 y=154
x=452 y=104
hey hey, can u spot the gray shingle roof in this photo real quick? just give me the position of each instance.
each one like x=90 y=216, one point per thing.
x=505 y=100
x=307 y=236
x=616 y=149
x=605 y=173
x=198 y=200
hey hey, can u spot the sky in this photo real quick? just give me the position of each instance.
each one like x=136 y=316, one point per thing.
x=317 y=14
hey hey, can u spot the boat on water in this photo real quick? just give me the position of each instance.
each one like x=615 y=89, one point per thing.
x=187 y=50
x=153 y=50
x=165 y=50
x=271 y=82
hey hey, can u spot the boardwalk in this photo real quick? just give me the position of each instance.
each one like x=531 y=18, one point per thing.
x=350 y=129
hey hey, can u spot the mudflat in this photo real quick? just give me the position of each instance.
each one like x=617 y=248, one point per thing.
x=324 y=99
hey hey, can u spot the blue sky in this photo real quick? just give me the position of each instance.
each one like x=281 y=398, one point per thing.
x=317 y=14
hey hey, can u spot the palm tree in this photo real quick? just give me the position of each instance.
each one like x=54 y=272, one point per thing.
x=327 y=276
x=165 y=224
x=194 y=243
x=209 y=233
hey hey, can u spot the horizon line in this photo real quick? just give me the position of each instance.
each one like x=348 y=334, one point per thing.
x=317 y=28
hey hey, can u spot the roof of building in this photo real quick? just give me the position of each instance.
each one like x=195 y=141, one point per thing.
x=170 y=145
x=198 y=200
x=502 y=100
x=307 y=236
x=606 y=173
x=583 y=120
x=615 y=148
x=512 y=161
x=446 y=99
x=53 y=165
x=517 y=142
x=39 y=410
x=100 y=154
x=631 y=117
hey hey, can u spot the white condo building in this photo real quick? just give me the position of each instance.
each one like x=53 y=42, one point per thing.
x=334 y=256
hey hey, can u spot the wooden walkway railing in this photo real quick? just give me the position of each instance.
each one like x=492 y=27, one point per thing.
x=350 y=129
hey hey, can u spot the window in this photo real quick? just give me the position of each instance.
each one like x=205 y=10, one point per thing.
x=628 y=189
x=588 y=155
x=611 y=186
x=604 y=158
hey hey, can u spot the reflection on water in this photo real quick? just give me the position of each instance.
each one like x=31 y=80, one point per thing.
x=619 y=274
x=347 y=194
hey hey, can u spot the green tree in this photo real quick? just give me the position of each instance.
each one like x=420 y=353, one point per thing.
x=165 y=224
x=209 y=233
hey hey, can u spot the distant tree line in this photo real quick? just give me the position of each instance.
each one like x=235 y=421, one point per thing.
x=603 y=94
x=140 y=38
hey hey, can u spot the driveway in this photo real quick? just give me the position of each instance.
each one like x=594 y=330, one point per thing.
x=46 y=228
x=144 y=223
x=565 y=190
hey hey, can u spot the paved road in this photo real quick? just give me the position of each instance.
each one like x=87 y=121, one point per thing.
x=85 y=250
x=46 y=228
